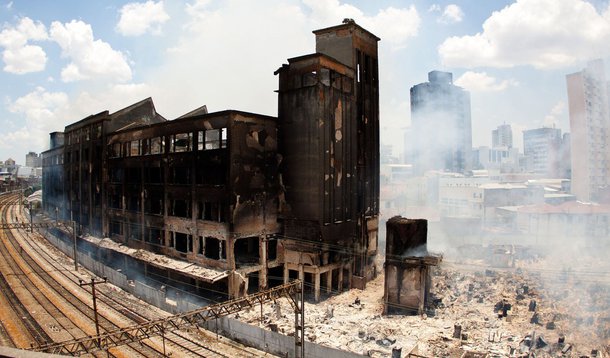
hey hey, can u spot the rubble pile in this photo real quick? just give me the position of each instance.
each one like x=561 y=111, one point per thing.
x=477 y=311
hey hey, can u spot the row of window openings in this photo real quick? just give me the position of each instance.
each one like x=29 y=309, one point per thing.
x=53 y=160
x=85 y=134
x=210 y=211
x=211 y=174
x=181 y=142
x=246 y=250
x=325 y=77
x=151 y=235
x=209 y=247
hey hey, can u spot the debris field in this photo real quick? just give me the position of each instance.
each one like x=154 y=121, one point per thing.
x=541 y=307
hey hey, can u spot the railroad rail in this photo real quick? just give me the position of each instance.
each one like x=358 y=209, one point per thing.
x=58 y=308
x=41 y=225
x=292 y=290
x=177 y=339
x=56 y=311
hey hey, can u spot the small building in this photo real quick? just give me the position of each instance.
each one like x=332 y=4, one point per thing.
x=407 y=266
x=545 y=223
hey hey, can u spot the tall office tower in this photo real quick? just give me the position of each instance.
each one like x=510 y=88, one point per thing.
x=590 y=128
x=328 y=125
x=441 y=125
x=543 y=147
x=502 y=136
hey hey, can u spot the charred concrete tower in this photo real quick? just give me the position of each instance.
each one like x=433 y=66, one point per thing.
x=328 y=125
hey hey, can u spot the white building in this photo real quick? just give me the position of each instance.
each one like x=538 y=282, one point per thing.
x=505 y=159
x=543 y=148
x=566 y=222
x=502 y=136
x=590 y=129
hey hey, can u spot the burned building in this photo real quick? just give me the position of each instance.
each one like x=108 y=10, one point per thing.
x=328 y=123
x=407 y=266
x=252 y=197
x=74 y=167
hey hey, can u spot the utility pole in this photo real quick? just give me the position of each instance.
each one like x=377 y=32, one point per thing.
x=74 y=246
x=81 y=283
x=31 y=219
x=299 y=321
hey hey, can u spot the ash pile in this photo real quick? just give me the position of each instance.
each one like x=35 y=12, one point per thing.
x=498 y=300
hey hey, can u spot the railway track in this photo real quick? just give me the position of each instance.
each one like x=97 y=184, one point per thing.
x=61 y=285
x=49 y=317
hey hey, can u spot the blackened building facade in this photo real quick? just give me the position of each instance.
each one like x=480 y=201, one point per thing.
x=328 y=122
x=259 y=199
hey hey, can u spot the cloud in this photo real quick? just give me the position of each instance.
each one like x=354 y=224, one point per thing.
x=44 y=112
x=139 y=18
x=40 y=109
x=19 y=56
x=545 y=34
x=394 y=25
x=24 y=59
x=90 y=59
x=434 y=8
x=39 y=104
x=111 y=98
x=482 y=82
x=239 y=65
x=558 y=110
x=451 y=15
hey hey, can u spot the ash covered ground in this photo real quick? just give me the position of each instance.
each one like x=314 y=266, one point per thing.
x=557 y=305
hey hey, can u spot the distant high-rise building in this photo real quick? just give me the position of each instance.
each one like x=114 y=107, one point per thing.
x=10 y=165
x=502 y=136
x=590 y=128
x=565 y=163
x=441 y=134
x=33 y=160
x=505 y=159
x=542 y=148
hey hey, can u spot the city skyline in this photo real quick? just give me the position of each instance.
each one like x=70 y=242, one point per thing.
x=162 y=50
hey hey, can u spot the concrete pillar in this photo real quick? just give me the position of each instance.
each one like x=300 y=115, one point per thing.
x=302 y=274
x=262 y=250
x=316 y=286
x=350 y=274
x=329 y=281
x=232 y=286
x=422 y=289
x=230 y=251
x=286 y=275
x=340 y=279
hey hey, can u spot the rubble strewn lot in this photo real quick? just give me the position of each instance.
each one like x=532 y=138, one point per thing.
x=542 y=307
